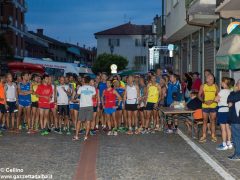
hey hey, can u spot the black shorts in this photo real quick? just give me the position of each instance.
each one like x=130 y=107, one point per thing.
x=35 y=104
x=95 y=109
x=63 y=110
x=3 y=108
x=12 y=107
x=141 y=109
x=131 y=107
x=150 y=106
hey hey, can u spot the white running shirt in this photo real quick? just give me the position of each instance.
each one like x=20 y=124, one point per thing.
x=223 y=94
x=86 y=93
x=131 y=94
x=11 y=92
x=62 y=97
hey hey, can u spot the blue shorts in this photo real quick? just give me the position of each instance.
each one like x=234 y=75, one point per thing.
x=74 y=107
x=109 y=111
x=24 y=103
x=209 y=110
x=222 y=117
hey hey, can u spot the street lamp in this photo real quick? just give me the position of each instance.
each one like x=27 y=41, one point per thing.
x=111 y=49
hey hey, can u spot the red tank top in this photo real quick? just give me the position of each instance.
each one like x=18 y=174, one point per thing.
x=110 y=98
x=95 y=99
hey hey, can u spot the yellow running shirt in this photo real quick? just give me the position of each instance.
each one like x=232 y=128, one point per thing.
x=153 y=94
x=209 y=95
x=34 y=98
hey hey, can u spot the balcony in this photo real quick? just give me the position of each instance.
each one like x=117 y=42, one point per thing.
x=201 y=11
x=228 y=8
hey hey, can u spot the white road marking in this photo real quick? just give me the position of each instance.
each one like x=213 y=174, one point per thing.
x=207 y=158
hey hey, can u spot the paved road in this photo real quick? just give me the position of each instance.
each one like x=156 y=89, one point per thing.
x=153 y=156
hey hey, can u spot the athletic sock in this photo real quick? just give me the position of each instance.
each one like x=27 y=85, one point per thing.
x=224 y=144
x=229 y=143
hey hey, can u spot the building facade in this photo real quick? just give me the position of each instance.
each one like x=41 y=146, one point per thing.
x=197 y=31
x=130 y=41
x=12 y=25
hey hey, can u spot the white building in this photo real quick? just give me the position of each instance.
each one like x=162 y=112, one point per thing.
x=128 y=40
x=197 y=31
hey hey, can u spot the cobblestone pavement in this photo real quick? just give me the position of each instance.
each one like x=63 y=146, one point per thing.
x=54 y=154
x=150 y=157
x=220 y=156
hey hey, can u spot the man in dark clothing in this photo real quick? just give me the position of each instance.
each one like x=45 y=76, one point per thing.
x=234 y=120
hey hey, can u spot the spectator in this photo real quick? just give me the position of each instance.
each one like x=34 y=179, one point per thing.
x=196 y=82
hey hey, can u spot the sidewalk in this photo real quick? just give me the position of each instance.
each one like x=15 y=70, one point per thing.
x=221 y=157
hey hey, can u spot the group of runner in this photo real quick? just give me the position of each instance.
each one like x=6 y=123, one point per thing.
x=42 y=103
x=128 y=105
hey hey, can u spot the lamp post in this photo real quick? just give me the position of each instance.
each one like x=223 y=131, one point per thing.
x=111 y=49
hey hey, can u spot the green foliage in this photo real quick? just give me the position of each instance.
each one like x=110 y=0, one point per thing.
x=104 y=61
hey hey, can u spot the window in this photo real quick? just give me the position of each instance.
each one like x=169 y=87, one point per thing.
x=139 y=42
x=140 y=60
x=114 y=42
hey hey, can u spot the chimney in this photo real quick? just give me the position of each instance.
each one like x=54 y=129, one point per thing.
x=40 y=31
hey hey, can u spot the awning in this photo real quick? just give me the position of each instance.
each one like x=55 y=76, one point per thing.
x=229 y=9
x=228 y=55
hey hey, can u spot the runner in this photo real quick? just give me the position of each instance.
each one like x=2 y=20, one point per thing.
x=207 y=95
x=44 y=93
x=3 y=105
x=153 y=99
x=34 y=98
x=142 y=103
x=86 y=93
x=11 y=95
x=53 y=106
x=24 y=101
x=63 y=91
x=96 y=101
x=102 y=86
x=119 y=112
x=109 y=106
x=131 y=96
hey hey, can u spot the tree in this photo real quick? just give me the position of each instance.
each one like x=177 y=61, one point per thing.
x=104 y=61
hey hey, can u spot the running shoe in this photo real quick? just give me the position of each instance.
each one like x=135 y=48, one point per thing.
x=115 y=133
x=60 y=132
x=169 y=131
x=75 y=138
x=175 y=130
x=221 y=147
x=234 y=158
x=230 y=146
x=110 y=133
x=43 y=133
x=68 y=133
x=130 y=132
x=46 y=132
x=56 y=130
x=214 y=139
x=4 y=128
x=20 y=127
x=85 y=138
x=82 y=131
x=92 y=133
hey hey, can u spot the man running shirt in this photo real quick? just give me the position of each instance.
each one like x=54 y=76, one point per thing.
x=120 y=91
x=47 y=91
x=62 y=96
x=24 y=100
x=11 y=95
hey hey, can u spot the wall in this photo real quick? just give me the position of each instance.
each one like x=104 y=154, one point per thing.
x=126 y=49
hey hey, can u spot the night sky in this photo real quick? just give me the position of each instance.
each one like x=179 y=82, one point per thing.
x=75 y=21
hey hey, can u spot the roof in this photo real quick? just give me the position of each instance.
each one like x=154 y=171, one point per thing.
x=48 y=39
x=128 y=29
x=33 y=42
